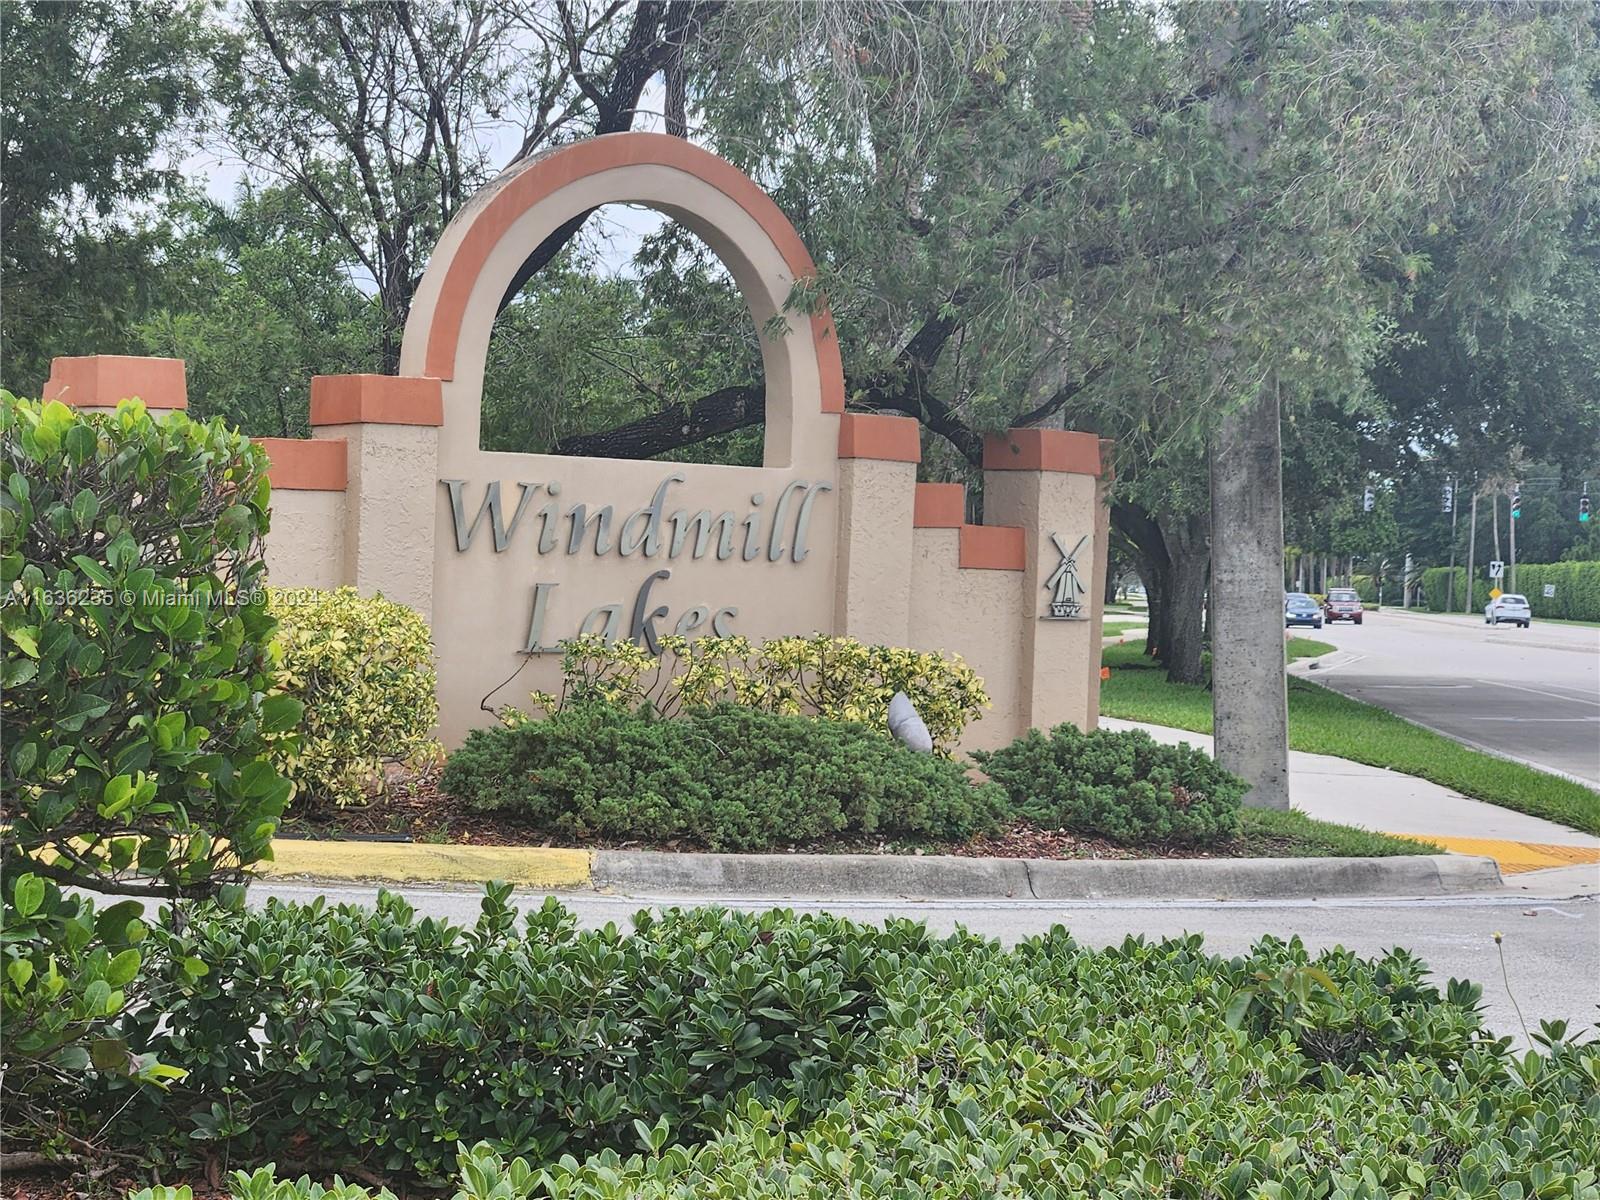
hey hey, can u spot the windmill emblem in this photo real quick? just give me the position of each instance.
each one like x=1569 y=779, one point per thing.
x=1064 y=586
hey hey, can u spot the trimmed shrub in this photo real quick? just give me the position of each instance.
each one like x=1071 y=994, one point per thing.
x=740 y=1057
x=833 y=677
x=372 y=1039
x=726 y=778
x=1577 y=586
x=138 y=654
x=1125 y=786
x=362 y=666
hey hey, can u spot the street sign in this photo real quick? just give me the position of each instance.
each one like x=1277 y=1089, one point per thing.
x=1495 y=593
x=1496 y=569
x=1549 y=591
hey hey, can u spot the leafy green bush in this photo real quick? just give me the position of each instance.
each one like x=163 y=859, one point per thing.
x=734 y=1056
x=1125 y=786
x=374 y=1039
x=727 y=778
x=362 y=666
x=837 y=678
x=137 y=650
x=69 y=971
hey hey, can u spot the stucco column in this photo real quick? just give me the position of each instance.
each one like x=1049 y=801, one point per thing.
x=1047 y=481
x=878 y=458
x=96 y=382
x=390 y=426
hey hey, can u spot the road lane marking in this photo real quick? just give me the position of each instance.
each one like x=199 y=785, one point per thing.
x=1539 y=692
x=1415 y=687
x=1546 y=720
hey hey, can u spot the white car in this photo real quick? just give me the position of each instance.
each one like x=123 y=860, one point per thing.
x=1509 y=607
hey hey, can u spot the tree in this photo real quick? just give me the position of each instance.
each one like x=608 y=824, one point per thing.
x=382 y=114
x=94 y=93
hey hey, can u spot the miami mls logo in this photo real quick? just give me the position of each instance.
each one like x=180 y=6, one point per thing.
x=1064 y=586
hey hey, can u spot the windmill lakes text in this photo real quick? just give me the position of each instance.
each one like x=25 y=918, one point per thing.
x=550 y=528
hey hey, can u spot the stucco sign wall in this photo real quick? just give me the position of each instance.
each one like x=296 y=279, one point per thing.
x=508 y=554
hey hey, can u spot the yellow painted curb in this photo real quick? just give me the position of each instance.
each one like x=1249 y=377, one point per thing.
x=413 y=862
x=1514 y=857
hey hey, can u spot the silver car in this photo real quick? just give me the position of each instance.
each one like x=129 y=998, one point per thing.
x=1509 y=607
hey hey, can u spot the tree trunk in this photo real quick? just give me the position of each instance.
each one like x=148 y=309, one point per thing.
x=1189 y=551
x=1249 y=688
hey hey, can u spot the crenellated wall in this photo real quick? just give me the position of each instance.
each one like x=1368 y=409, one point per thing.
x=509 y=554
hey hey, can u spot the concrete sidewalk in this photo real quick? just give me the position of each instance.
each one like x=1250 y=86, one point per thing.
x=1351 y=793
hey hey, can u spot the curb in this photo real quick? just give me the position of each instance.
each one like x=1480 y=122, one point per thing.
x=412 y=862
x=932 y=876
x=949 y=877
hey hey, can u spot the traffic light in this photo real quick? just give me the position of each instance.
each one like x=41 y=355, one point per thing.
x=1368 y=499
x=1583 y=507
x=1516 y=503
x=1449 y=497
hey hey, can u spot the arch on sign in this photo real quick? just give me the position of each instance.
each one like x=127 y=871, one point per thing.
x=484 y=247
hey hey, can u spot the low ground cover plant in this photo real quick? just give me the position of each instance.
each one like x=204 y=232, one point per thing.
x=1123 y=785
x=725 y=777
x=363 y=669
x=836 y=678
x=737 y=1055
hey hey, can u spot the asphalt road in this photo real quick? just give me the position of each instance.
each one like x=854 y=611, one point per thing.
x=1552 y=946
x=1532 y=694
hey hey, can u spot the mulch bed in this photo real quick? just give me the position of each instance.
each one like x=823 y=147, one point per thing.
x=415 y=809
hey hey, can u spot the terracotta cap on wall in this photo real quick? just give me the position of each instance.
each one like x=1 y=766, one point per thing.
x=993 y=547
x=375 y=400
x=306 y=464
x=101 y=380
x=1067 y=450
x=876 y=435
x=939 y=506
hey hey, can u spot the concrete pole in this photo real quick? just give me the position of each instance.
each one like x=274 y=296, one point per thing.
x=1472 y=548
x=1249 y=689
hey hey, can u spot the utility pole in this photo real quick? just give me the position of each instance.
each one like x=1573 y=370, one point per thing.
x=1516 y=511
x=1512 y=532
x=1494 y=500
x=1472 y=547
x=1450 y=579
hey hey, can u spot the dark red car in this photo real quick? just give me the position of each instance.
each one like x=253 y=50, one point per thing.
x=1342 y=604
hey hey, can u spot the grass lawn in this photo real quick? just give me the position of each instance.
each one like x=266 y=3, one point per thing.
x=1118 y=628
x=1325 y=722
x=1299 y=647
x=1271 y=833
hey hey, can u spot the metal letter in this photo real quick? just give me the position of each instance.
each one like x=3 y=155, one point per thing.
x=780 y=514
x=491 y=503
x=804 y=519
x=752 y=530
x=719 y=623
x=541 y=596
x=645 y=626
x=613 y=621
x=691 y=620
x=602 y=528
x=651 y=540
x=702 y=522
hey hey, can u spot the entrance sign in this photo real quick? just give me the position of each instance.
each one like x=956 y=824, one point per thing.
x=508 y=555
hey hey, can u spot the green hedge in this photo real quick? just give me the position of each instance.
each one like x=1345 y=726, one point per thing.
x=732 y=1056
x=1123 y=785
x=725 y=778
x=1577 y=587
